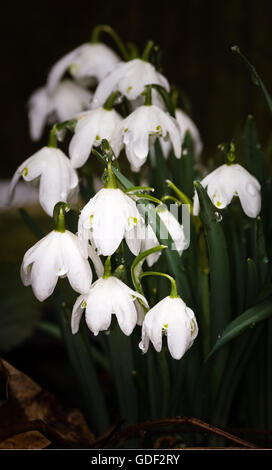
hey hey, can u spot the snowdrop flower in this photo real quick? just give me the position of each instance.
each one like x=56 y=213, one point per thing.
x=175 y=229
x=91 y=128
x=130 y=78
x=107 y=296
x=88 y=60
x=108 y=218
x=230 y=180
x=185 y=124
x=138 y=131
x=173 y=318
x=58 y=180
x=62 y=104
x=56 y=255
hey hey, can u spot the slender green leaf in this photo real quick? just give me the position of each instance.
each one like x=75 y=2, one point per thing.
x=161 y=171
x=31 y=223
x=256 y=78
x=253 y=155
x=248 y=319
x=123 y=370
x=218 y=264
x=252 y=283
x=81 y=360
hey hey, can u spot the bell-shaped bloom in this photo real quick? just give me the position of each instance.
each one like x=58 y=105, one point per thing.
x=88 y=60
x=106 y=297
x=61 y=104
x=230 y=180
x=108 y=218
x=58 y=181
x=138 y=131
x=130 y=78
x=56 y=255
x=175 y=229
x=185 y=124
x=91 y=128
x=170 y=317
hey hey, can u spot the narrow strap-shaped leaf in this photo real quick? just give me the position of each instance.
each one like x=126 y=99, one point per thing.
x=160 y=170
x=252 y=283
x=256 y=78
x=92 y=395
x=253 y=155
x=240 y=355
x=31 y=223
x=218 y=264
x=123 y=370
x=248 y=319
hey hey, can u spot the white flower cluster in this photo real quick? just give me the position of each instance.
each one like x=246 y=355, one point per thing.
x=112 y=215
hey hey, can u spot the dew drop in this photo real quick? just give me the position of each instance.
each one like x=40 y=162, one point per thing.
x=218 y=216
x=141 y=345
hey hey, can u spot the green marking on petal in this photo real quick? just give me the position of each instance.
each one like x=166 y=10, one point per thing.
x=74 y=68
x=165 y=326
x=24 y=172
x=83 y=304
x=218 y=203
x=129 y=88
x=125 y=130
x=97 y=137
x=91 y=219
x=193 y=326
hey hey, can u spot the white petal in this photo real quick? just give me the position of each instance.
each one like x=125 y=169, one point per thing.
x=98 y=265
x=98 y=309
x=45 y=270
x=78 y=269
x=77 y=313
x=60 y=67
x=126 y=313
x=38 y=110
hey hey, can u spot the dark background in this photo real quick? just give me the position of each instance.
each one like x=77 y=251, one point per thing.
x=196 y=38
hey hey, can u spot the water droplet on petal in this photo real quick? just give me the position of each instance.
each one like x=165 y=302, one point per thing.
x=141 y=345
x=218 y=216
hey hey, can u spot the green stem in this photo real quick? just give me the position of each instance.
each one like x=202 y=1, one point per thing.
x=147 y=50
x=110 y=179
x=52 y=141
x=59 y=216
x=148 y=95
x=110 y=31
x=137 y=265
x=107 y=268
x=174 y=290
x=111 y=100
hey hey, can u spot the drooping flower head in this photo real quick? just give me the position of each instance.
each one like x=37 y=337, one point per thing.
x=61 y=104
x=108 y=296
x=108 y=218
x=138 y=131
x=91 y=128
x=91 y=60
x=130 y=78
x=58 y=254
x=231 y=180
x=58 y=181
x=170 y=317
